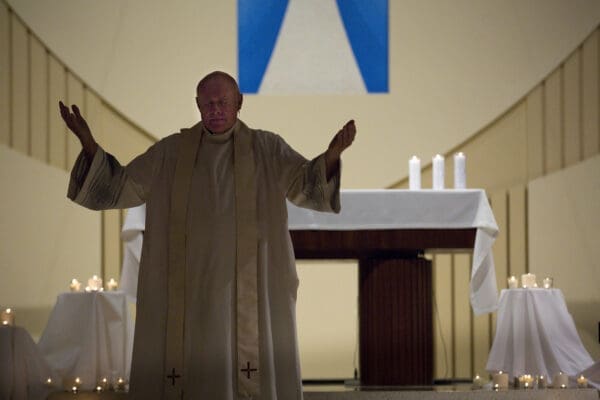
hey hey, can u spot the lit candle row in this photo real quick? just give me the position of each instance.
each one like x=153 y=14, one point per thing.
x=7 y=317
x=527 y=381
x=94 y=285
x=460 y=175
x=528 y=281
x=74 y=384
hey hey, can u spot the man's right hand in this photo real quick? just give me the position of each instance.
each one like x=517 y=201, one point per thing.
x=77 y=124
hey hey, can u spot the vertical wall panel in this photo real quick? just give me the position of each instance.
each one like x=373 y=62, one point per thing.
x=591 y=95
x=535 y=132
x=481 y=343
x=111 y=220
x=39 y=100
x=19 y=86
x=74 y=96
x=93 y=113
x=57 y=137
x=572 y=109
x=499 y=203
x=553 y=122
x=443 y=358
x=462 y=315
x=517 y=226
x=5 y=107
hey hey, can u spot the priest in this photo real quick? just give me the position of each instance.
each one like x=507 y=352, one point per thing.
x=217 y=282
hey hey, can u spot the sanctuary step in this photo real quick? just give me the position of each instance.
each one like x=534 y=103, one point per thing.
x=546 y=394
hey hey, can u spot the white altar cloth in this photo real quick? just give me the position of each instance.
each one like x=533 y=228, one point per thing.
x=23 y=369
x=89 y=335
x=535 y=334
x=418 y=209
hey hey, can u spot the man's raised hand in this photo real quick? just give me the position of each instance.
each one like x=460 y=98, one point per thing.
x=77 y=124
x=340 y=142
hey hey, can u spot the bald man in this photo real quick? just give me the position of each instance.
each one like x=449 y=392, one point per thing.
x=217 y=282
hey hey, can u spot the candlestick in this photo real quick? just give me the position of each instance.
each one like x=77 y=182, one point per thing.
x=438 y=172
x=460 y=174
x=8 y=317
x=414 y=173
x=500 y=380
x=560 y=381
x=548 y=283
x=513 y=282
x=112 y=284
x=528 y=281
x=582 y=382
x=75 y=285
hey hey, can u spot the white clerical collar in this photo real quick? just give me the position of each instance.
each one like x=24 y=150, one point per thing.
x=221 y=137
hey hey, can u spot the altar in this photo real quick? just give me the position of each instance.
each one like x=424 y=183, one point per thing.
x=388 y=231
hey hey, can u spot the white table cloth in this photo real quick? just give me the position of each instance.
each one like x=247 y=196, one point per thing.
x=535 y=334
x=23 y=369
x=89 y=335
x=132 y=235
x=418 y=209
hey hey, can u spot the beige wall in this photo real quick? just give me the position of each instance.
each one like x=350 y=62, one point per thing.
x=464 y=61
x=38 y=222
x=43 y=244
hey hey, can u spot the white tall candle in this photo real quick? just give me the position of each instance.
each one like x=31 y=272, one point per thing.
x=414 y=173
x=438 y=172
x=460 y=173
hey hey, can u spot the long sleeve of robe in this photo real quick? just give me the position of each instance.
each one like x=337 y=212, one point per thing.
x=210 y=353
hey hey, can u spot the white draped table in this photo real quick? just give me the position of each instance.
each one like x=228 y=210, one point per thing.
x=23 y=370
x=387 y=209
x=90 y=336
x=535 y=334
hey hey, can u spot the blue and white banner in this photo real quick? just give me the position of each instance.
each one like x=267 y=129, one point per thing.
x=313 y=46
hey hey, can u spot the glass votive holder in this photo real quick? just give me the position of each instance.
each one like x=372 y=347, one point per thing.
x=513 y=282
x=548 y=283
x=477 y=382
x=582 y=382
x=542 y=382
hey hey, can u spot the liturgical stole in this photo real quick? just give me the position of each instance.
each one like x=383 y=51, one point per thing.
x=246 y=246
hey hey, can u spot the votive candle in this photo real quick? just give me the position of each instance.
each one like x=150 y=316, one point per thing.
x=7 y=317
x=513 y=282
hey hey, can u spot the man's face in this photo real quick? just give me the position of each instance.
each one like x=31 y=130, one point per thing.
x=218 y=101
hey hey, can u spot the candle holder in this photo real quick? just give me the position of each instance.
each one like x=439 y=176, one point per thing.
x=7 y=317
x=560 y=381
x=120 y=385
x=94 y=284
x=548 y=283
x=112 y=285
x=541 y=382
x=75 y=285
x=513 y=282
x=73 y=385
x=525 y=382
x=528 y=281
x=102 y=385
x=477 y=382
x=500 y=381
x=582 y=382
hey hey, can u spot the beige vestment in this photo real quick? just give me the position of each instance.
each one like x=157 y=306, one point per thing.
x=211 y=365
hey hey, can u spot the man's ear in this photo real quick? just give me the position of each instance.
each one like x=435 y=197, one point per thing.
x=240 y=101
